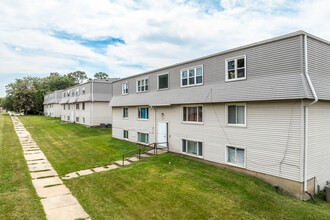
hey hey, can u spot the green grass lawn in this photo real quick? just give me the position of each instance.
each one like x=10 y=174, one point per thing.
x=72 y=147
x=18 y=199
x=153 y=188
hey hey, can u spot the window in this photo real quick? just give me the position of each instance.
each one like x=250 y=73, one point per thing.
x=83 y=106
x=77 y=91
x=236 y=68
x=77 y=119
x=64 y=94
x=236 y=114
x=72 y=92
x=64 y=107
x=235 y=156
x=163 y=81
x=125 y=134
x=68 y=106
x=142 y=85
x=192 y=147
x=143 y=113
x=125 y=112
x=84 y=120
x=192 y=76
x=143 y=138
x=77 y=106
x=68 y=118
x=192 y=113
x=125 y=88
x=83 y=90
x=68 y=92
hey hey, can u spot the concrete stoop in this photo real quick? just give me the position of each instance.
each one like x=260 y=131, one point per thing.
x=56 y=198
x=115 y=165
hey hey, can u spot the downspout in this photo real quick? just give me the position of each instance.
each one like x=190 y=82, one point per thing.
x=306 y=115
x=154 y=125
x=92 y=109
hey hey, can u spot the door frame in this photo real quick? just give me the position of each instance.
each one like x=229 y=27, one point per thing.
x=163 y=145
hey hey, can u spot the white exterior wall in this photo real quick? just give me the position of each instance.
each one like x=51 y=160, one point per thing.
x=102 y=113
x=318 y=165
x=52 y=110
x=272 y=138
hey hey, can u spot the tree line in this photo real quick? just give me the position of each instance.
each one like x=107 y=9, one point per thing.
x=27 y=94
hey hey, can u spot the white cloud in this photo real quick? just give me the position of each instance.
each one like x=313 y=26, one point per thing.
x=157 y=33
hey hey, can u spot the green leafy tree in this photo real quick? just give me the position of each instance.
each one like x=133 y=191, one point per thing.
x=78 y=76
x=101 y=75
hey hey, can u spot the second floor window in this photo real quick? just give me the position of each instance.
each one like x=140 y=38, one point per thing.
x=236 y=114
x=63 y=94
x=236 y=68
x=125 y=112
x=163 y=81
x=192 y=113
x=142 y=85
x=72 y=92
x=143 y=113
x=125 y=88
x=68 y=92
x=77 y=91
x=83 y=90
x=192 y=76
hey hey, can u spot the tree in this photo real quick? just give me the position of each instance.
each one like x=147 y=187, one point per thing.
x=101 y=75
x=78 y=76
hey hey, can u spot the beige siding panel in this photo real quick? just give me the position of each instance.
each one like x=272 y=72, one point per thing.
x=319 y=142
x=272 y=137
x=102 y=113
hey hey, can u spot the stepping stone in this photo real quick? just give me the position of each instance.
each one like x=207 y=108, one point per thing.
x=35 y=156
x=52 y=191
x=133 y=159
x=145 y=155
x=43 y=174
x=58 y=201
x=84 y=172
x=38 y=162
x=120 y=162
x=100 y=169
x=40 y=167
x=161 y=151
x=67 y=213
x=112 y=166
x=70 y=175
x=40 y=183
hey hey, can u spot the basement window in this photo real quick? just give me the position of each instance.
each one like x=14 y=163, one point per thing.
x=235 y=156
x=194 y=148
x=125 y=134
x=143 y=138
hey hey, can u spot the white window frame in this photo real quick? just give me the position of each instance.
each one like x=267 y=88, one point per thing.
x=193 y=140
x=124 y=134
x=83 y=90
x=77 y=91
x=137 y=134
x=123 y=112
x=193 y=122
x=226 y=114
x=68 y=93
x=144 y=81
x=122 y=88
x=72 y=92
x=137 y=111
x=226 y=68
x=168 y=81
x=77 y=104
x=83 y=106
x=84 y=121
x=77 y=119
x=236 y=147
x=189 y=68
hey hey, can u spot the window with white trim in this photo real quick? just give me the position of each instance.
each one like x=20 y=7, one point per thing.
x=77 y=91
x=143 y=113
x=124 y=88
x=142 y=85
x=192 y=147
x=64 y=94
x=77 y=106
x=77 y=119
x=72 y=92
x=235 y=156
x=162 y=80
x=64 y=107
x=83 y=90
x=125 y=134
x=83 y=106
x=68 y=93
x=192 y=76
x=68 y=106
x=143 y=138
x=236 y=68
x=84 y=120
x=236 y=114
x=192 y=113
x=68 y=118
x=125 y=112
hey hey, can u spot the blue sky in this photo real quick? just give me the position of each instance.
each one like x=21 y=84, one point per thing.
x=125 y=37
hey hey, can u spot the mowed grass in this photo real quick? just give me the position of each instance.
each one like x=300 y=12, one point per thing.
x=18 y=199
x=72 y=147
x=185 y=189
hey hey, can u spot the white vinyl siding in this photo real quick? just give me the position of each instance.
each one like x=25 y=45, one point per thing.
x=192 y=76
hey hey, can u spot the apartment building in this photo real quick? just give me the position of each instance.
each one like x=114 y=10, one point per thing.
x=51 y=104
x=262 y=109
x=86 y=103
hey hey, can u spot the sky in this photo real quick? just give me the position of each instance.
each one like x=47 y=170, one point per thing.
x=125 y=37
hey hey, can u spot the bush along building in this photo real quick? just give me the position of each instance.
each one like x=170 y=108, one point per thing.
x=262 y=109
x=86 y=103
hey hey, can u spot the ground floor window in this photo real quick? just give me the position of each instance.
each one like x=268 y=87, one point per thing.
x=192 y=147
x=236 y=156
x=143 y=138
x=125 y=134
x=143 y=113
x=68 y=118
x=84 y=120
x=77 y=119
